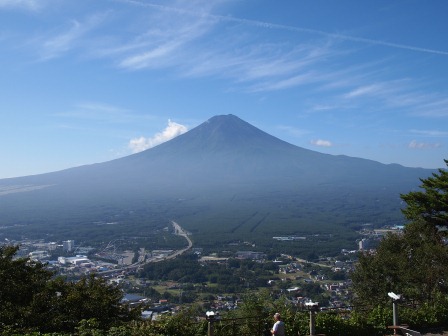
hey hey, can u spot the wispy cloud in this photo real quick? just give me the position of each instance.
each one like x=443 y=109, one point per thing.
x=240 y=59
x=333 y=35
x=166 y=41
x=404 y=94
x=430 y=133
x=281 y=84
x=258 y=65
x=372 y=89
x=432 y=106
x=176 y=38
x=418 y=102
x=31 y=5
x=323 y=107
x=161 y=50
x=294 y=131
x=414 y=144
x=193 y=41
x=104 y=113
x=171 y=131
x=269 y=25
x=70 y=37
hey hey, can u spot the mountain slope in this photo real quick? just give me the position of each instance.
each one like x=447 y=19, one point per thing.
x=224 y=176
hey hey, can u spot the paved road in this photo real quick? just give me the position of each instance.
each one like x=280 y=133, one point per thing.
x=313 y=263
x=178 y=230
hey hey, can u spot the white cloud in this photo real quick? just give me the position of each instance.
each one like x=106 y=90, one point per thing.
x=423 y=145
x=321 y=143
x=171 y=131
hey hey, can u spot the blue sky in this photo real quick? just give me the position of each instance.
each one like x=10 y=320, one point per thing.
x=90 y=81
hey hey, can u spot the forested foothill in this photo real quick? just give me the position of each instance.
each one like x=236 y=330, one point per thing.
x=413 y=264
x=218 y=225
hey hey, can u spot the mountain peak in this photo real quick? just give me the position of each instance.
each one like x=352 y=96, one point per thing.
x=229 y=131
x=227 y=121
x=224 y=118
x=223 y=139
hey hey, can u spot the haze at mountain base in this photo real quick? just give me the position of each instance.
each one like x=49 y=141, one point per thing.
x=223 y=177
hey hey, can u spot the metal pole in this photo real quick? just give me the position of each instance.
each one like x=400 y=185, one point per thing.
x=210 y=328
x=395 y=313
x=312 y=323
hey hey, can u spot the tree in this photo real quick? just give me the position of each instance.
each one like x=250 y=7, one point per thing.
x=21 y=280
x=430 y=204
x=412 y=263
x=91 y=298
x=32 y=299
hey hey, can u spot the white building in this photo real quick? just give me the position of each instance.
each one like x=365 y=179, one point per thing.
x=68 y=245
x=364 y=244
x=37 y=255
x=76 y=261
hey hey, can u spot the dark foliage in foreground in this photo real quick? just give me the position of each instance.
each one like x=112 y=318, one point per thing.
x=414 y=263
x=32 y=299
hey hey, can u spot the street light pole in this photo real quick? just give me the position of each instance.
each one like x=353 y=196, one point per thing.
x=395 y=313
x=395 y=299
x=210 y=318
x=313 y=307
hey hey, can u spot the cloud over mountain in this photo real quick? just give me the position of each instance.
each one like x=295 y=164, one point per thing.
x=171 y=131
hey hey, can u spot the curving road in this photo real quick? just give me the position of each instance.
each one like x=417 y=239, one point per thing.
x=179 y=231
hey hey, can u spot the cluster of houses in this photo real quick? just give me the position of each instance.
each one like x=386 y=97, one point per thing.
x=292 y=269
x=224 y=303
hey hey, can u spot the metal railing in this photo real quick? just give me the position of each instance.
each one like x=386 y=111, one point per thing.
x=245 y=326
